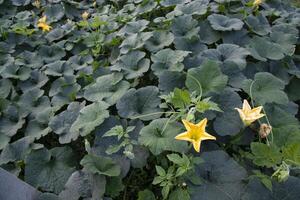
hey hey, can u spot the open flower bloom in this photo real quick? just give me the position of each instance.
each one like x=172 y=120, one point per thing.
x=43 y=25
x=257 y=3
x=195 y=133
x=249 y=115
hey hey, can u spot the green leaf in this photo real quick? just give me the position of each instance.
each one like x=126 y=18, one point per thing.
x=108 y=88
x=159 y=136
x=160 y=171
x=169 y=80
x=167 y=3
x=146 y=195
x=16 y=151
x=141 y=103
x=159 y=40
x=4 y=140
x=49 y=170
x=286 y=35
x=132 y=64
x=286 y=135
x=193 y=7
x=100 y=165
x=168 y=60
x=181 y=98
x=291 y=154
x=51 y=53
x=292 y=89
x=62 y=122
x=89 y=118
x=207 y=34
x=264 y=155
x=175 y=158
x=228 y=54
x=223 y=176
x=258 y=24
x=134 y=27
x=134 y=42
x=83 y=184
x=224 y=23
x=262 y=49
x=179 y=194
x=54 y=12
x=185 y=26
x=114 y=186
x=287 y=190
x=266 y=88
x=206 y=104
x=206 y=78
x=115 y=131
x=20 y=2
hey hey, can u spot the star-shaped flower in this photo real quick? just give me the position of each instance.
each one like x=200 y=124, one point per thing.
x=248 y=115
x=43 y=25
x=195 y=133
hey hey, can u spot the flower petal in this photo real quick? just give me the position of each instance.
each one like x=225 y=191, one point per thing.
x=196 y=145
x=183 y=136
x=202 y=123
x=246 y=106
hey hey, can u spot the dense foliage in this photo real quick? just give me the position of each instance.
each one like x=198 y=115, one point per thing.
x=93 y=94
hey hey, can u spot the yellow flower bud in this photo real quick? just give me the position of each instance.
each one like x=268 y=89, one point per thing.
x=257 y=3
x=85 y=15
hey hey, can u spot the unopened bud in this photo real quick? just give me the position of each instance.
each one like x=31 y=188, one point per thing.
x=85 y=15
x=264 y=130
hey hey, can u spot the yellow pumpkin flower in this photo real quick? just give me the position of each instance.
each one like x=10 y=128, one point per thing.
x=249 y=115
x=85 y=15
x=195 y=133
x=257 y=3
x=43 y=25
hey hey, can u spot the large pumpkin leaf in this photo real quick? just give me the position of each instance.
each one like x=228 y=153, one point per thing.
x=185 y=26
x=262 y=49
x=100 y=165
x=287 y=190
x=62 y=122
x=134 y=42
x=206 y=78
x=286 y=35
x=49 y=169
x=266 y=88
x=258 y=24
x=228 y=54
x=133 y=64
x=228 y=122
x=89 y=118
x=222 y=175
x=197 y=7
x=142 y=103
x=11 y=120
x=108 y=88
x=224 y=23
x=16 y=151
x=20 y=2
x=159 y=40
x=85 y=185
x=168 y=60
x=159 y=136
